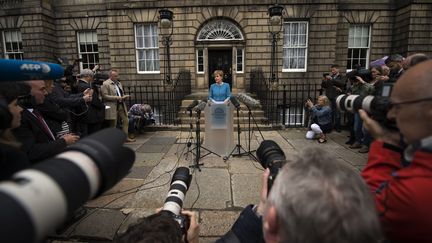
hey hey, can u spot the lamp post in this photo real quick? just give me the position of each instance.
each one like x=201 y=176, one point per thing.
x=166 y=24
x=275 y=26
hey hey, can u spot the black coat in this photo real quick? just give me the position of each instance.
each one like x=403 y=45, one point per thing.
x=53 y=114
x=95 y=112
x=12 y=160
x=36 y=143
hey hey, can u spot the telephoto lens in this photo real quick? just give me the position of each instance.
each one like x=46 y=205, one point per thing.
x=174 y=201
x=271 y=156
x=39 y=199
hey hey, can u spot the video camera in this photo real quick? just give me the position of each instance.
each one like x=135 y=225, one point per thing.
x=174 y=201
x=365 y=74
x=376 y=106
x=37 y=200
x=271 y=156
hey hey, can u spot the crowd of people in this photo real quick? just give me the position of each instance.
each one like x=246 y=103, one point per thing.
x=313 y=199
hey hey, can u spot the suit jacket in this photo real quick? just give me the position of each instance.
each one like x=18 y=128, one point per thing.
x=109 y=96
x=36 y=143
x=96 y=109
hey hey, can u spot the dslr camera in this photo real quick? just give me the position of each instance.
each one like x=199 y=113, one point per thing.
x=271 y=156
x=174 y=201
x=376 y=106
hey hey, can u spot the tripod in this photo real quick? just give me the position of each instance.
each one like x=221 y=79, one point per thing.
x=198 y=145
x=250 y=116
x=238 y=146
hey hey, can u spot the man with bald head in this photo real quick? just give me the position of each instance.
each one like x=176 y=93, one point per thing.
x=399 y=168
x=413 y=60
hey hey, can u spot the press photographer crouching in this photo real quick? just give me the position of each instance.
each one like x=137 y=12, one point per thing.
x=171 y=223
x=320 y=118
x=399 y=168
x=314 y=198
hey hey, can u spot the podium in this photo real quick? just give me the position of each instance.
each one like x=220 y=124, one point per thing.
x=219 y=128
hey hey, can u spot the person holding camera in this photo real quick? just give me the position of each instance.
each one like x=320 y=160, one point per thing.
x=334 y=85
x=11 y=158
x=321 y=118
x=399 y=167
x=314 y=198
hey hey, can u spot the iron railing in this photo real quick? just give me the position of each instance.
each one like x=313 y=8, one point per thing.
x=165 y=99
x=284 y=103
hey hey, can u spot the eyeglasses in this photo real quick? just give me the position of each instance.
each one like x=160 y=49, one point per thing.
x=395 y=104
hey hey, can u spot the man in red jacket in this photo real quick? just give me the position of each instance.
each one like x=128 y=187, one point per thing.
x=399 y=168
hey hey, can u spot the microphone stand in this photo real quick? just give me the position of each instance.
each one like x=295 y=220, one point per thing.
x=190 y=139
x=198 y=145
x=238 y=146
x=250 y=116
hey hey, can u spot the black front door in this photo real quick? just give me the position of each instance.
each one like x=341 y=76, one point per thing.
x=220 y=60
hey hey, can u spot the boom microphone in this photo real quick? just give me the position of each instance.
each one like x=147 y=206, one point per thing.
x=21 y=70
x=192 y=105
x=235 y=102
x=250 y=102
x=200 y=107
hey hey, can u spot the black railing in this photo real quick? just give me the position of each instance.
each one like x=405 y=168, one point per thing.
x=283 y=104
x=165 y=99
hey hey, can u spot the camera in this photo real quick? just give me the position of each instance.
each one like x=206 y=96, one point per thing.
x=37 y=200
x=325 y=75
x=376 y=106
x=365 y=74
x=271 y=156
x=174 y=201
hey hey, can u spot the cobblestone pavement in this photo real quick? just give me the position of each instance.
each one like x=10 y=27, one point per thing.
x=218 y=192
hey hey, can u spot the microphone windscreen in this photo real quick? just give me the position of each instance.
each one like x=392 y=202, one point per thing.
x=250 y=102
x=22 y=70
x=235 y=102
x=192 y=105
x=201 y=106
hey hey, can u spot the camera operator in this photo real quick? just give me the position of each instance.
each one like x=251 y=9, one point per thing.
x=11 y=158
x=321 y=118
x=161 y=227
x=37 y=139
x=394 y=62
x=399 y=169
x=333 y=86
x=359 y=87
x=314 y=199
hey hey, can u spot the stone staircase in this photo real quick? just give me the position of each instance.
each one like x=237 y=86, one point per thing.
x=186 y=119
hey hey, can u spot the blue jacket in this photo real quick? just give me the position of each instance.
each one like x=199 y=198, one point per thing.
x=323 y=115
x=219 y=92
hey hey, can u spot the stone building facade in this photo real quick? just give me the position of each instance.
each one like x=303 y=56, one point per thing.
x=211 y=34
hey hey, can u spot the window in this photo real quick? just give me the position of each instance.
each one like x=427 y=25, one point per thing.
x=200 y=61
x=295 y=39
x=239 y=60
x=147 y=48
x=358 y=46
x=88 y=49
x=12 y=44
x=294 y=116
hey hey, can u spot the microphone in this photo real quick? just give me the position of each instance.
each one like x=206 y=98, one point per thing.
x=235 y=102
x=192 y=105
x=250 y=102
x=200 y=107
x=22 y=70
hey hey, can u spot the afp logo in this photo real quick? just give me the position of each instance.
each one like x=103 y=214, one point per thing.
x=43 y=68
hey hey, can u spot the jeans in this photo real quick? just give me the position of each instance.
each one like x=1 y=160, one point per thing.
x=336 y=115
x=358 y=128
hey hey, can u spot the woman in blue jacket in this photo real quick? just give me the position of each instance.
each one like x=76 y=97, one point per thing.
x=321 y=118
x=219 y=91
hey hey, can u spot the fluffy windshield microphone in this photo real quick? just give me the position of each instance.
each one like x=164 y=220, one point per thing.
x=192 y=105
x=235 y=102
x=200 y=107
x=249 y=101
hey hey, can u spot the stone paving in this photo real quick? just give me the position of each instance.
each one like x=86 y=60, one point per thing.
x=218 y=192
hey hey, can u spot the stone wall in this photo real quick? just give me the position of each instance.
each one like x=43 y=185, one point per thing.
x=50 y=28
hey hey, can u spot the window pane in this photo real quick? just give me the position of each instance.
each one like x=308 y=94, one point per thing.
x=147 y=47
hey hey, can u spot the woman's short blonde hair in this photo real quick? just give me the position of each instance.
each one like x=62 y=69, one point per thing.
x=326 y=100
x=218 y=72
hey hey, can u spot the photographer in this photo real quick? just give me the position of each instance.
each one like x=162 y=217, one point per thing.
x=359 y=87
x=399 y=169
x=314 y=199
x=161 y=227
x=321 y=115
x=394 y=62
x=11 y=158
x=333 y=86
